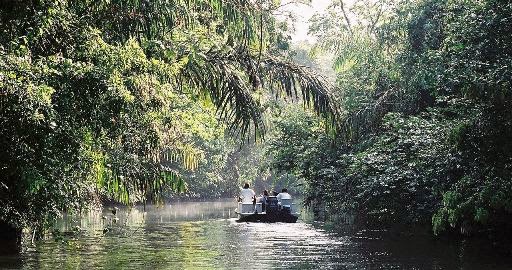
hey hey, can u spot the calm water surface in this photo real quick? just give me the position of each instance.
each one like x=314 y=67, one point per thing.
x=205 y=235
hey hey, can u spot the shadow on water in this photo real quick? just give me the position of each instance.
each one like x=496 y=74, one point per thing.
x=205 y=236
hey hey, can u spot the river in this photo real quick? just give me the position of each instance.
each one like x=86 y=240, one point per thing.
x=205 y=235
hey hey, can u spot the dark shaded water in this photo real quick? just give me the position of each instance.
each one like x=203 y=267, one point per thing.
x=205 y=236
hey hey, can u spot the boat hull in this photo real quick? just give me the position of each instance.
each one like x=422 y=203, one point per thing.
x=263 y=217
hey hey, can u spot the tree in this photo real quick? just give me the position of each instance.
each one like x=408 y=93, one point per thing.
x=425 y=119
x=89 y=92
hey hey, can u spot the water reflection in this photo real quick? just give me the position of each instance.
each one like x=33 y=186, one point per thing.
x=205 y=236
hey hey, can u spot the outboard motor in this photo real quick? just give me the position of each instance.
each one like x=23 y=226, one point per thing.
x=272 y=206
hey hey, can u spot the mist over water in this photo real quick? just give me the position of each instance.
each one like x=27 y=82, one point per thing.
x=205 y=235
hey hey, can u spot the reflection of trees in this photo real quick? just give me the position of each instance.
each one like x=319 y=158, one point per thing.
x=154 y=239
x=139 y=240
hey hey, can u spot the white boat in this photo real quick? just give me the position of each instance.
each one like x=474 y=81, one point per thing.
x=272 y=211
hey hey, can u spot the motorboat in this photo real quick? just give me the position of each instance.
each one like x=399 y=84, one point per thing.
x=271 y=211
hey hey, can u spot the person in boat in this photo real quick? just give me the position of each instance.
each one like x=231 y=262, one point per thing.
x=263 y=200
x=283 y=195
x=247 y=195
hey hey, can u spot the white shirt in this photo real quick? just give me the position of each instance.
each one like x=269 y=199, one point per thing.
x=283 y=195
x=247 y=194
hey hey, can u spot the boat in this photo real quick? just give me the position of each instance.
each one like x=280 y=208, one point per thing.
x=272 y=211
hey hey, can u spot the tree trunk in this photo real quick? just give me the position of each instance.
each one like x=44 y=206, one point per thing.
x=10 y=239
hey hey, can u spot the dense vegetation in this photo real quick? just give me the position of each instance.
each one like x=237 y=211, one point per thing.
x=426 y=132
x=133 y=101
x=122 y=100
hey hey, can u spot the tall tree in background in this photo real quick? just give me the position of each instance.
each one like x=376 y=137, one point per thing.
x=425 y=94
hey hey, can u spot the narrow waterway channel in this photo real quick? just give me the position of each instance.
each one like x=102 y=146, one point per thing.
x=205 y=235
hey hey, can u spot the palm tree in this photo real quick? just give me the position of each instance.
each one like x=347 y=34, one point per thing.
x=212 y=48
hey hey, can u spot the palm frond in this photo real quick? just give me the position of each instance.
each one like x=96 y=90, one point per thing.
x=221 y=78
x=292 y=79
x=230 y=79
x=122 y=19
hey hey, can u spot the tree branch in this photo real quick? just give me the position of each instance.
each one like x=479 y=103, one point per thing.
x=349 y=26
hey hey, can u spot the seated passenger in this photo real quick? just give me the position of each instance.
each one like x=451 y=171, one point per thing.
x=283 y=195
x=263 y=199
x=247 y=195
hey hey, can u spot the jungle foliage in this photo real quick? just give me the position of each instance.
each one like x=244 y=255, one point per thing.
x=426 y=126
x=121 y=100
x=136 y=101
